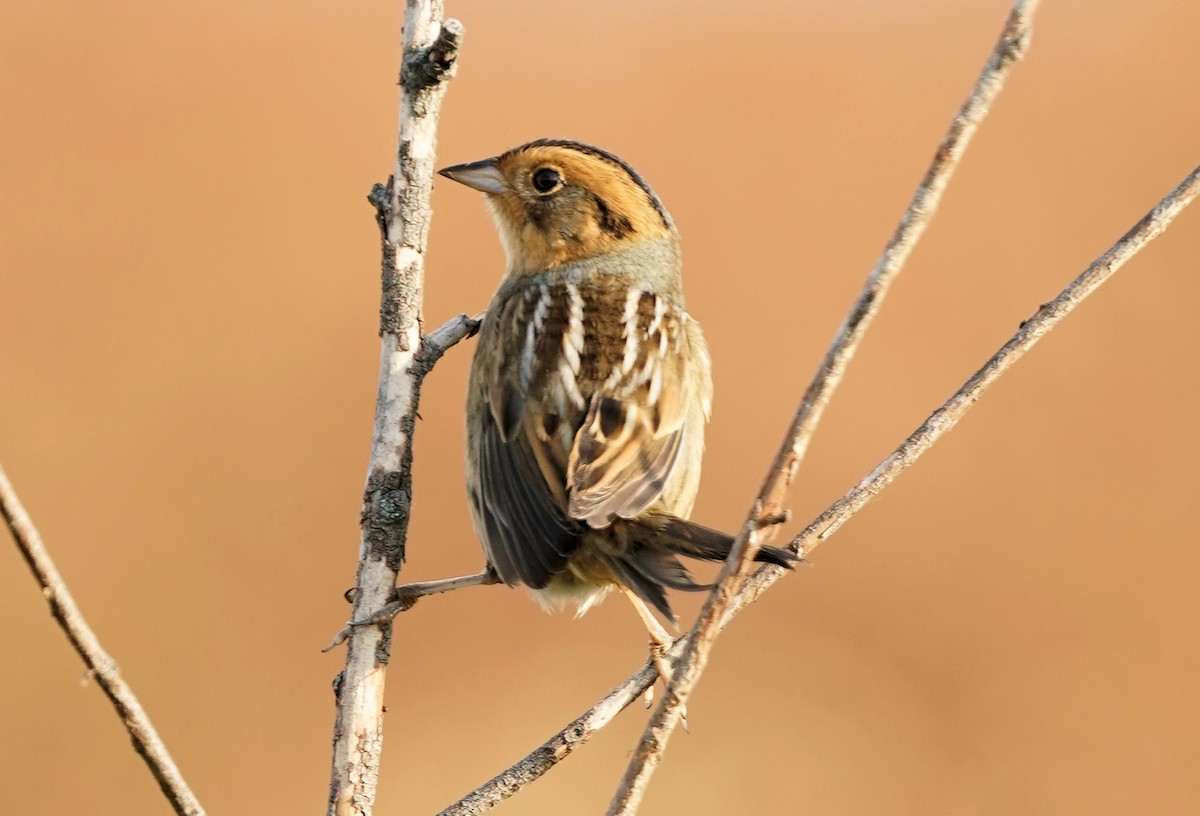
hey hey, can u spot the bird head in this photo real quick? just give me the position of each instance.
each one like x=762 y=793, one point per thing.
x=558 y=201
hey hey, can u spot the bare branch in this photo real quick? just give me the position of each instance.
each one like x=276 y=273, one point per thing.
x=449 y=334
x=1031 y=330
x=1011 y=47
x=403 y=212
x=947 y=416
x=100 y=665
x=561 y=745
x=558 y=747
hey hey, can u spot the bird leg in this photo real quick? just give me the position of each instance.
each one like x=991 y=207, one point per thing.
x=409 y=593
x=403 y=597
x=660 y=642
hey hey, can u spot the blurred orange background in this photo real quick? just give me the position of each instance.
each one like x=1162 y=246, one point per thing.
x=189 y=290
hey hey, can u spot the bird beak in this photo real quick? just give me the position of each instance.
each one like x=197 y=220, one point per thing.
x=483 y=175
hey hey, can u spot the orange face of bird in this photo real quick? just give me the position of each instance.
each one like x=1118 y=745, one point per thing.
x=556 y=203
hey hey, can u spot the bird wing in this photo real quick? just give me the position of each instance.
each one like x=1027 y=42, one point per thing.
x=629 y=442
x=587 y=396
x=522 y=499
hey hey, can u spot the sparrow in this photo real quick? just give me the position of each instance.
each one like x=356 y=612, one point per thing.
x=589 y=389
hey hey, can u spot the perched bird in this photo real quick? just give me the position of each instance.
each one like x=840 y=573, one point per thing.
x=590 y=387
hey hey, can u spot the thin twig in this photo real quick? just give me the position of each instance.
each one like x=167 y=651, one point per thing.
x=100 y=665
x=535 y=764
x=1031 y=330
x=1011 y=47
x=560 y=746
x=403 y=213
x=444 y=337
x=948 y=415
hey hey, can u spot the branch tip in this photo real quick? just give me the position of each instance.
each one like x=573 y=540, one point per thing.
x=1018 y=33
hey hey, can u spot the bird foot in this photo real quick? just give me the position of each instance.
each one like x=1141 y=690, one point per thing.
x=405 y=597
x=658 y=655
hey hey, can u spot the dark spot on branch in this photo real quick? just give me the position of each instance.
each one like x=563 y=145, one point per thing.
x=381 y=199
x=387 y=502
x=428 y=67
x=383 y=650
x=396 y=285
x=1014 y=43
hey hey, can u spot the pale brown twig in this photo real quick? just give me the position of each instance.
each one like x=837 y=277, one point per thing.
x=100 y=665
x=1010 y=48
x=403 y=212
x=559 y=747
x=1044 y=319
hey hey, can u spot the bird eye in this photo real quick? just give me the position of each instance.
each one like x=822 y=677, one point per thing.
x=546 y=180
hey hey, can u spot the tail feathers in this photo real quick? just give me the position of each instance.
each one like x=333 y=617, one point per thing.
x=665 y=569
x=649 y=563
x=644 y=587
x=697 y=541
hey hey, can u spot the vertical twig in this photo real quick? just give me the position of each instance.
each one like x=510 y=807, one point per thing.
x=100 y=665
x=1010 y=48
x=403 y=212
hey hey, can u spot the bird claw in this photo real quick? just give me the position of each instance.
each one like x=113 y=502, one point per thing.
x=658 y=656
x=403 y=598
x=398 y=601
